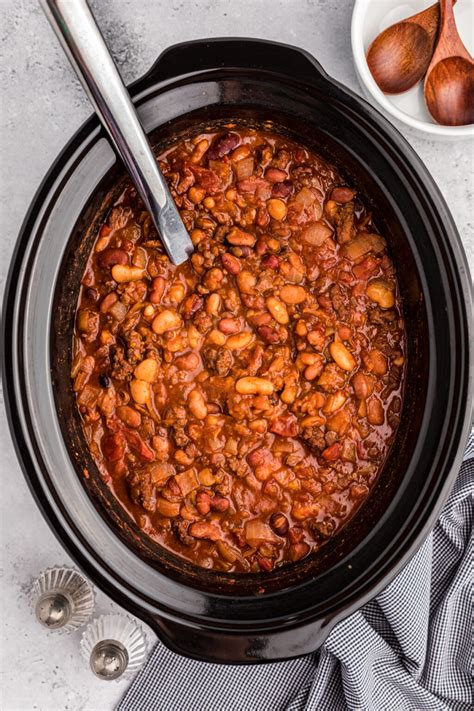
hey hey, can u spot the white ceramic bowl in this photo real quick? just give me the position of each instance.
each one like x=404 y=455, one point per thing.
x=373 y=16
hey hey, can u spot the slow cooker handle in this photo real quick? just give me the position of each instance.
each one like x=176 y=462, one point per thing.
x=223 y=646
x=201 y=55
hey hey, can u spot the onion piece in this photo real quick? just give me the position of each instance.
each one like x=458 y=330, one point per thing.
x=187 y=481
x=257 y=532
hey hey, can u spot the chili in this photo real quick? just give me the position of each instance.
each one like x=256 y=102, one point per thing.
x=240 y=406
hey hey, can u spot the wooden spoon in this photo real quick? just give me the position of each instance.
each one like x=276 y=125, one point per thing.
x=449 y=83
x=400 y=55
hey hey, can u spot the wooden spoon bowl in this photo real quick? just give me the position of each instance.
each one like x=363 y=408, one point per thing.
x=449 y=83
x=400 y=55
x=449 y=92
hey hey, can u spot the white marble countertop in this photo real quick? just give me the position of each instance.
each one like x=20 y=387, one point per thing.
x=42 y=106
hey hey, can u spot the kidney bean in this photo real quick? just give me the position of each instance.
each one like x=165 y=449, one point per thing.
x=279 y=523
x=282 y=190
x=111 y=256
x=270 y=261
x=266 y=564
x=272 y=335
x=203 y=502
x=108 y=301
x=260 y=319
x=342 y=195
x=240 y=238
x=190 y=361
x=223 y=145
x=219 y=503
x=231 y=263
x=229 y=325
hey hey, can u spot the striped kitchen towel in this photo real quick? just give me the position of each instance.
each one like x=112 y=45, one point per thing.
x=410 y=649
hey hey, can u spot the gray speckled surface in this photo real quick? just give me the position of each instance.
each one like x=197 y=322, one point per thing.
x=42 y=105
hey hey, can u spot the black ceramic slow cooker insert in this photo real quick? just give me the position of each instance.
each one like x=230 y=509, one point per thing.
x=288 y=612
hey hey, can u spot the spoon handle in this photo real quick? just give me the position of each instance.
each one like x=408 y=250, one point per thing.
x=85 y=47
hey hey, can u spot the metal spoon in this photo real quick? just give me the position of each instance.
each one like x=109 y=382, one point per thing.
x=399 y=56
x=85 y=47
x=449 y=83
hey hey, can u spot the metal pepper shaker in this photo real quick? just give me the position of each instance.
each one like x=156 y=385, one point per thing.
x=62 y=599
x=114 y=646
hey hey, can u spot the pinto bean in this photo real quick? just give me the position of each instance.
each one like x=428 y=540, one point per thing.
x=123 y=273
x=375 y=413
x=343 y=357
x=140 y=391
x=167 y=320
x=292 y=294
x=379 y=290
x=254 y=386
x=197 y=405
x=213 y=304
x=147 y=370
x=199 y=150
x=240 y=238
x=239 y=341
x=129 y=416
x=363 y=385
x=213 y=278
x=316 y=234
x=157 y=290
x=278 y=310
x=276 y=209
x=246 y=281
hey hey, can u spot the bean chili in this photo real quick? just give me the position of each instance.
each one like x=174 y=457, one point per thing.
x=240 y=406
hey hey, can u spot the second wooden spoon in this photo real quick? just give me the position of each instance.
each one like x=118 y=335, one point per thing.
x=449 y=83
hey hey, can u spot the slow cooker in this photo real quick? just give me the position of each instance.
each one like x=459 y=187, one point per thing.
x=223 y=617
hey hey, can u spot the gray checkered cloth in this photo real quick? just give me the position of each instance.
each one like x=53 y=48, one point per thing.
x=408 y=649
